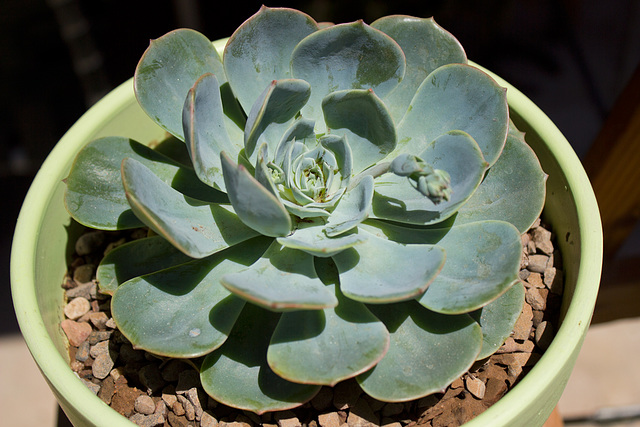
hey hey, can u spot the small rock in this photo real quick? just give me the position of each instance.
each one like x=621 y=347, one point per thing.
x=110 y=323
x=535 y=298
x=100 y=348
x=84 y=273
x=77 y=308
x=98 y=319
x=144 y=405
x=542 y=238
x=495 y=389
x=524 y=274
x=457 y=383
x=330 y=419
x=194 y=399
x=169 y=395
x=98 y=336
x=512 y=346
x=147 y=420
x=189 y=410
x=287 y=419
x=83 y=351
x=537 y=263
x=107 y=390
x=523 y=325
x=76 y=332
x=208 y=420
x=177 y=408
x=177 y=420
x=557 y=286
x=535 y=280
x=161 y=407
x=475 y=386
x=102 y=365
x=544 y=335
x=85 y=290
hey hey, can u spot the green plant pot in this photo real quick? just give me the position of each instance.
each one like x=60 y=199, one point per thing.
x=45 y=234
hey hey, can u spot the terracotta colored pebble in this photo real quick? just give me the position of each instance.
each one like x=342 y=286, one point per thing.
x=76 y=332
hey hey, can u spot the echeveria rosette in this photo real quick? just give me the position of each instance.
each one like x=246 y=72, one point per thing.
x=351 y=195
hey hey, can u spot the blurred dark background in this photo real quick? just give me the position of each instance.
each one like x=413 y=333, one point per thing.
x=58 y=57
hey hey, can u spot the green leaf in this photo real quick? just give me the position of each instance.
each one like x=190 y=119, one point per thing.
x=427 y=352
x=300 y=131
x=95 y=196
x=456 y=97
x=254 y=204
x=426 y=46
x=259 y=51
x=456 y=153
x=346 y=56
x=311 y=238
x=183 y=311
x=272 y=114
x=342 y=151
x=327 y=346
x=383 y=271
x=283 y=279
x=483 y=260
x=136 y=258
x=498 y=318
x=353 y=208
x=513 y=189
x=205 y=131
x=363 y=119
x=168 y=69
x=238 y=375
x=196 y=228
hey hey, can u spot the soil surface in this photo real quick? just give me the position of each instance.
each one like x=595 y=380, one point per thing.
x=154 y=392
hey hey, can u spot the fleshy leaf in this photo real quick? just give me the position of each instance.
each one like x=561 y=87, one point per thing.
x=256 y=206
x=513 y=189
x=498 y=318
x=346 y=56
x=427 y=352
x=342 y=151
x=302 y=131
x=457 y=154
x=354 y=207
x=205 y=131
x=312 y=239
x=94 y=195
x=259 y=51
x=196 y=228
x=282 y=279
x=426 y=45
x=327 y=346
x=136 y=258
x=237 y=374
x=189 y=299
x=383 y=271
x=168 y=69
x=456 y=97
x=482 y=263
x=363 y=118
x=272 y=114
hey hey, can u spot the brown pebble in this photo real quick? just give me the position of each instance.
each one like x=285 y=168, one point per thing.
x=523 y=325
x=76 y=332
x=361 y=415
x=535 y=280
x=537 y=263
x=84 y=273
x=77 y=308
x=475 y=386
x=534 y=297
x=177 y=408
x=144 y=404
x=102 y=365
x=330 y=419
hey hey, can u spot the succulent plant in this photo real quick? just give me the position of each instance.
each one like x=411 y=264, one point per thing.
x=349 y=204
